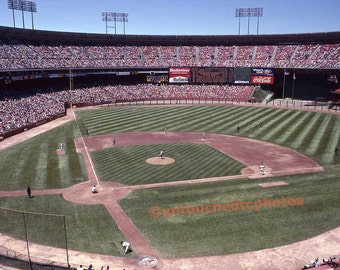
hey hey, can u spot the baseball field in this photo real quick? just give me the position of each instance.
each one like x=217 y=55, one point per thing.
x=206 y=197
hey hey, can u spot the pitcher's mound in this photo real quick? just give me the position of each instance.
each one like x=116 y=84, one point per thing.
x=160 y=161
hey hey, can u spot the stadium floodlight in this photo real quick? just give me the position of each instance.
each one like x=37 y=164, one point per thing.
x=31 y=7
x=22 y=5
x=115 y=17
x=248 y=12
x=14 y=5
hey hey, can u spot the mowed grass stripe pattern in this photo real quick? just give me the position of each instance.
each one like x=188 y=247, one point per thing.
x=35 y=162
x=127 y=165
x=312 y=133
x=182 y=235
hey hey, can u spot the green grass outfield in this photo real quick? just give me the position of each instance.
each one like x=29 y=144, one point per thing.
x=315 y=134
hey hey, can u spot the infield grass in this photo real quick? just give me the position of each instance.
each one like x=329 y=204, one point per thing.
x=127 y=165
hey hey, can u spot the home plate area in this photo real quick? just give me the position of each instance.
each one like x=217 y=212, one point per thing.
x=147 y=261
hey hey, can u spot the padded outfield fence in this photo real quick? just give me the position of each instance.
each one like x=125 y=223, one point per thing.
x=280 y=103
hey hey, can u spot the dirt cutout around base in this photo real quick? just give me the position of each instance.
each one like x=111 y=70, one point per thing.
x=160 y=161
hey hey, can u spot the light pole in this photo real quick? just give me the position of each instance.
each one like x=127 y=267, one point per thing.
x=23 y=6
x=32 y=7
x=115 y=17
x=248 y=12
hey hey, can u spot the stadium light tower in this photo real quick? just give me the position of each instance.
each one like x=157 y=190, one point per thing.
x=115 y=17
x=248 y=12
x=23 y=6
x=31 y=7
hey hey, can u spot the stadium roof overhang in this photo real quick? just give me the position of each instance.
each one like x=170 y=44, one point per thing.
x=42 y=36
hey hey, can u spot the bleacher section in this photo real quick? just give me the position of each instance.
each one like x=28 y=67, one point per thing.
x=26 y=56
x=25 y=110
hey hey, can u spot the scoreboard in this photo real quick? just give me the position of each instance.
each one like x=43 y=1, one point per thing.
x=221 y=75
x=212 y=75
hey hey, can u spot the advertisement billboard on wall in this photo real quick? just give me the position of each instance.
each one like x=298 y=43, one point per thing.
x=262 y=76
x=221 y=75
x=179 y=75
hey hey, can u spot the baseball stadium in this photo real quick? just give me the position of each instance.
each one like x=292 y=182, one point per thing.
x=169 y=152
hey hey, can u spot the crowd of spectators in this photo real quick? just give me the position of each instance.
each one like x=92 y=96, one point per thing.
x=19 y=110
x=25 y=110
x=16 y=55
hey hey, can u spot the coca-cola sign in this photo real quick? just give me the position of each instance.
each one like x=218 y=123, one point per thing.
x=262 y=79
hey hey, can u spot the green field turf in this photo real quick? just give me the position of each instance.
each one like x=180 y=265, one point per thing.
x=181 y=234
x=311 y=133
x=127 y=165
x=88 y=227
x=35 y=162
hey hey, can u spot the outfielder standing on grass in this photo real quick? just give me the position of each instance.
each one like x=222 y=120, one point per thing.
x=238 y=129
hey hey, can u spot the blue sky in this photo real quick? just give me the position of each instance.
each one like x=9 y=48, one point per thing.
x=179 y=17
